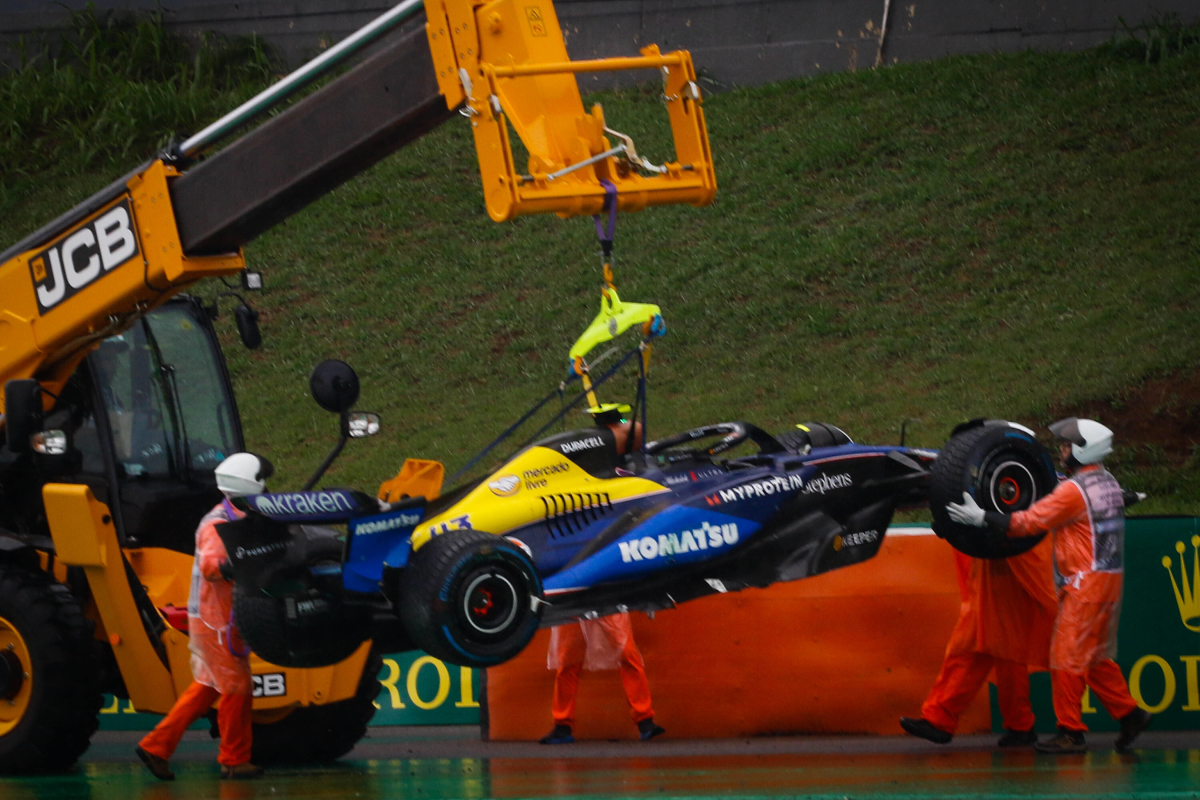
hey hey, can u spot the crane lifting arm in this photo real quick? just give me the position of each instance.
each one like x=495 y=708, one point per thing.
x=506 y=60
x=175 y=220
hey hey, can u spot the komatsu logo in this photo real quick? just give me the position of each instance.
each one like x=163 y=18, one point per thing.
x=705 y=537
x=76 y=260
x=381 y=525
x=582 y=444
x=760 y=489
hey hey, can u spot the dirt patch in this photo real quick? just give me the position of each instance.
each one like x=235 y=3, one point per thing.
x=1163 y=412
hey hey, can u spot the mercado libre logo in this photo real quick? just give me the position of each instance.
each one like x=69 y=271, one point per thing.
x=1185 y=590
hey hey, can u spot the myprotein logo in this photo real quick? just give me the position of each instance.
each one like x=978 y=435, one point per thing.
x=706 y=537
x=75 y=261
x=763 y=488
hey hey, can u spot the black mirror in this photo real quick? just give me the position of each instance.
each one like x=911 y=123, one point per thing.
x=22 y=413
x=247 y=325
x=334 y=385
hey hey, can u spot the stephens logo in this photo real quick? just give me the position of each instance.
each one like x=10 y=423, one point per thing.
x=705 y=537
x=825 y=483
x=1187 y=599
x=505 y=485
x=589 y=443
x=73 y=262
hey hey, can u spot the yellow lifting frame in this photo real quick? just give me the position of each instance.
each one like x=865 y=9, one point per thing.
x=507 y=63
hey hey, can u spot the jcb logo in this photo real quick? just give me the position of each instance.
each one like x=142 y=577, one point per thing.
x=273 y=684
x=76 y=260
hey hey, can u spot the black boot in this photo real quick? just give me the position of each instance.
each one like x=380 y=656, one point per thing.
x=1067 y=741
x=1132 y=724
x=560 y=734
x=924 y=728
x=648 y=729
x=1017 y=738
x=158 y=766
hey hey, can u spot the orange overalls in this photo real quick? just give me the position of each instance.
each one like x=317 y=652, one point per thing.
x=218 y=671
x=1086 y=516
x=1004 y=624
x=602 y=643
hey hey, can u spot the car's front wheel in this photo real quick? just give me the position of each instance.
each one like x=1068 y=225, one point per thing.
x=470 y=598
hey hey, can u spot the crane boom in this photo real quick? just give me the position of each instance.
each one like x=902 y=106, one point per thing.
x=171 y=222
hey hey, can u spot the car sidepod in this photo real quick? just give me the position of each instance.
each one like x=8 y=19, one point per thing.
x=756 y=522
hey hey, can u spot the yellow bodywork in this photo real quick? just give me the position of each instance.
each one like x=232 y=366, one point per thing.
x=508 y=62
x=527 y=489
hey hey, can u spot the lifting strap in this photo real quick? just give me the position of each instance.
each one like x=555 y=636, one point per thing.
x=605 y=235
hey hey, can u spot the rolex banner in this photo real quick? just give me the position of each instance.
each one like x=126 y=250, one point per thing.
x=1158 y=643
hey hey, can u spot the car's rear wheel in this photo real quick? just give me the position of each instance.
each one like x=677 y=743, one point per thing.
x=1005 y=469
x=470 y=598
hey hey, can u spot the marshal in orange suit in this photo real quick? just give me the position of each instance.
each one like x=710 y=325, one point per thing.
x=1004 y=624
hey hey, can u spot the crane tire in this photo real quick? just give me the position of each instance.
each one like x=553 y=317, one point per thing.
x=50 y=694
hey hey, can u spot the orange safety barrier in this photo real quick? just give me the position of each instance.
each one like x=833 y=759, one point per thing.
x=850 y=651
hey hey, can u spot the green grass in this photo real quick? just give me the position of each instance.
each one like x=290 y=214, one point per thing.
x=977 y=236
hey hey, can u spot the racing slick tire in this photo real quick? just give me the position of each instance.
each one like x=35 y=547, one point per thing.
x=300 y=620
x=302 y=628
x=314 y=734
x=50 y=693
x=1005 y=469
x=470 y=598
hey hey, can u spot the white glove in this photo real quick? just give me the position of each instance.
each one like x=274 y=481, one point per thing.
x=966 y=513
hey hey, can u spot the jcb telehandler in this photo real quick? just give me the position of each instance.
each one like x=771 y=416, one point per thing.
x=117 y=403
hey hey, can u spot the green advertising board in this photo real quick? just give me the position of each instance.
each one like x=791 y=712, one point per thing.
x=1158 y=642
x=416 y=689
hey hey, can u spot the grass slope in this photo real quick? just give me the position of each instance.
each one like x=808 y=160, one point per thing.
x=979 y=236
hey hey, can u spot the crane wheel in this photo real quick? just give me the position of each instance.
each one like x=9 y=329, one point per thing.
x=317 y=733
x=50 y=694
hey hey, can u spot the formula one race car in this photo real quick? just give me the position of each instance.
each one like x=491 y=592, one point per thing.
x=587 y=523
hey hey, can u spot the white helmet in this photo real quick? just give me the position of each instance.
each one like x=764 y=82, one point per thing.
x=1090 y=441
x=242 y=474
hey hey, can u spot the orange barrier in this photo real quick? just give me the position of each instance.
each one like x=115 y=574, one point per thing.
x=846 y=652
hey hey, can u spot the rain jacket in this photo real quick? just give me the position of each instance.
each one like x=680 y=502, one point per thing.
x=1008 y=607
x=220 y=659
x=604 y=640
x=1086 y=515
